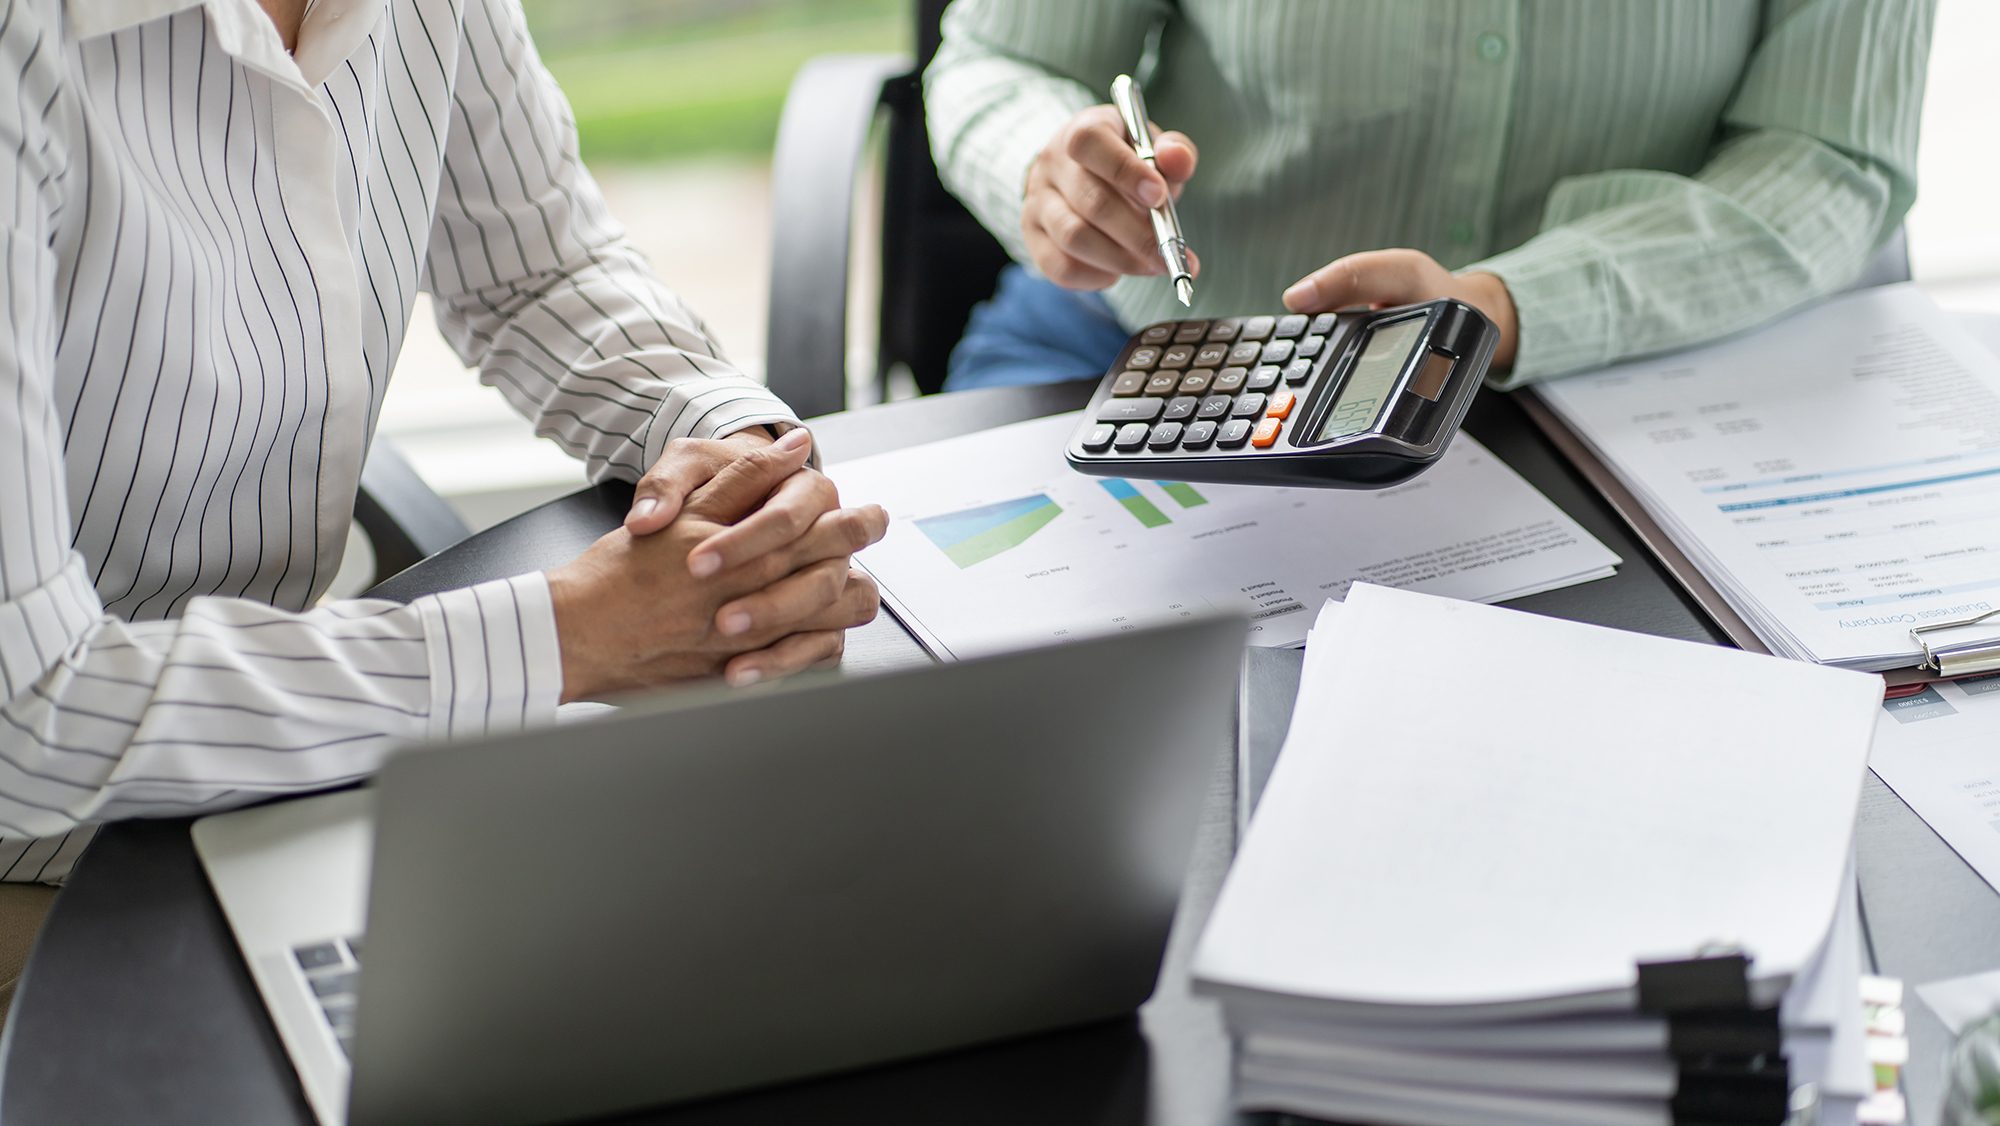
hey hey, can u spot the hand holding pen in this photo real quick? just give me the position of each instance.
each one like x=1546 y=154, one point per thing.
x=1086 y=212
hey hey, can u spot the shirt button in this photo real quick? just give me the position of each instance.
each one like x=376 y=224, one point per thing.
x=1492 y=47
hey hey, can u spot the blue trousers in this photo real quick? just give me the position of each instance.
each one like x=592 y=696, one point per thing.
x=1034 y=331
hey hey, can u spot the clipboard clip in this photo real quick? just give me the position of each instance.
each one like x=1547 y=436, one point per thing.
x=1964 y=658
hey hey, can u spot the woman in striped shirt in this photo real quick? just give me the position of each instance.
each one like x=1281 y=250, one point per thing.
x=218 y=214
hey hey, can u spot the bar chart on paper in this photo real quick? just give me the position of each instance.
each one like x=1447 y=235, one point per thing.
x=974 y=535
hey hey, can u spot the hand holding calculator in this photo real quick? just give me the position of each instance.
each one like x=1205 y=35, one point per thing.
x=1359 y=399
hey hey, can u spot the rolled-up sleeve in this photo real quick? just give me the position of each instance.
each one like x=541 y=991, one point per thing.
x=1814 y=168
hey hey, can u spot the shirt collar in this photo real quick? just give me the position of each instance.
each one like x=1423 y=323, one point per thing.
x=90 y=18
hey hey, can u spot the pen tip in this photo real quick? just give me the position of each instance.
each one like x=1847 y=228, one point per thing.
x=1184 y=289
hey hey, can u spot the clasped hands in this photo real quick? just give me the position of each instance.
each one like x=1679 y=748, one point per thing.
x=734 y=560
x=1083 y=217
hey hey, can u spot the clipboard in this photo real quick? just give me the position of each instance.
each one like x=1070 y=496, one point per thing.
x=1940 y=661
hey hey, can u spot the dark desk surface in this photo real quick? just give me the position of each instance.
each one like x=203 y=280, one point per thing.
x=136 y=1008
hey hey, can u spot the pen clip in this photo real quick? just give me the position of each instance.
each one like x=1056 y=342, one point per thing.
x=1132 y=108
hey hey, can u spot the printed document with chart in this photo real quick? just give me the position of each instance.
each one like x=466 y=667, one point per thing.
x=1836 y=476
x=995 y=543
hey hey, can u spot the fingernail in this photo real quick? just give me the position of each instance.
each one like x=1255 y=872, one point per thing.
x=735 y=622
x=795 y=438
x=1151 y=194
x=744 y=678
x=644 y=508
x=704 y=564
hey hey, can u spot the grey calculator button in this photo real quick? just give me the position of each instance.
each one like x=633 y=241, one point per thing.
x=1132 y=435
x=1224 y=330
x=1200 y=435
x=1099 y=438
x=1310 y=346
x=1210 y=355
x=1177 y=356
x=1229 y=381
x=1298 y=371
x=1245 y=354
x=1163 y=382
x=1263 y=379
x=1290 y=327
x=1197 y=381
x=1165 y=436
x=1249 y=406
x=1321 y=325
x=1213 y=407
x=1257 y=328
x=1143 y=358
x=1129 y=410
x=1180 y=408
x=1278 y=352
x=1157 y=334
x=1190 y=331
x=1234 y=433
x=1129 y=383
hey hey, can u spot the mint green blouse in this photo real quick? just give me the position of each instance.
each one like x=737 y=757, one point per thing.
x=1643 y=174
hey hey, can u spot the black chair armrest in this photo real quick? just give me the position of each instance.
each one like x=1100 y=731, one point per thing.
x=822 y=140
x=405 y=521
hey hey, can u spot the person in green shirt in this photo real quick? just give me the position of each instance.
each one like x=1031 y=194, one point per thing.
x=1603 y=178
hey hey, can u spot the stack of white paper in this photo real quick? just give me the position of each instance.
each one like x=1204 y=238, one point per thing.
x=1483 y=820
x=1835 y=476
x=996 y=544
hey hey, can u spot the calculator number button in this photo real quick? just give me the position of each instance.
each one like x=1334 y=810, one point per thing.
x=1197 y=381
x=1213 y=407
x=1210 y=355
x=1298 y=371
x=1266 y=434
x=1143 y=358
x=1165 y=436
x=1188 y=332
x=1257 y=328
x=1200 y=436
x=1163 y=383
x=1230 y=381
x=1177 y=356
x=1290 y=327
x=1245 y=354
x=1180 y=409
x=1157 y=334
x=1129 y=410
x=1224 y=330
x=1132 y=435
x=1278 y=352
x=1129 y=383
x=1233 y=434
x=1263 y=379
x=1310 y=347
x=1248 y=406
x=1099 y=438
x=1321 y=325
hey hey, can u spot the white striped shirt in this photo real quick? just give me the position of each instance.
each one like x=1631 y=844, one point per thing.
x=210 y=256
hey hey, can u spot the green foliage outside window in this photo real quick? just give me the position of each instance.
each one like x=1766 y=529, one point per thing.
x=669 y=79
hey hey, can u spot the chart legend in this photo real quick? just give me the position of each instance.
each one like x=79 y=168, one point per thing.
x=974 y=535
x=1142 y=510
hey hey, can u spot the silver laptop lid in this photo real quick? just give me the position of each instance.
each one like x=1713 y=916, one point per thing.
x=724 y=891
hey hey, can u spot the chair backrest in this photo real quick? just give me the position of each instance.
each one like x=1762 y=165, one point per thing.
x=937 y=261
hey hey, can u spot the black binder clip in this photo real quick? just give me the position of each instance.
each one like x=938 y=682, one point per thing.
x=1730 y=1053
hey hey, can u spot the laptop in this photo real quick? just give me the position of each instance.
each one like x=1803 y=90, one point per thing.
x=724 y=890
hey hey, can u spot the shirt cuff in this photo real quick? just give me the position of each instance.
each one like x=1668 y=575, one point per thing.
x=1562 y=291
x=753 y=405
x=495 y=663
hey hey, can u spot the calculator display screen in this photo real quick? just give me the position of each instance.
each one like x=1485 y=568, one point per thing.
x=1372 y=378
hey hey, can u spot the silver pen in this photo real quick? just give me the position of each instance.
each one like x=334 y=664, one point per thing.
x=1166 y=222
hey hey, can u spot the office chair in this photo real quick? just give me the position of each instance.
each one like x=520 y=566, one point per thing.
x=937 y=261
x=404 y=520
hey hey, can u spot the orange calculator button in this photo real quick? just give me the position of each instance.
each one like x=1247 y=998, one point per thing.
x=1281 y=404
x=1267 y=434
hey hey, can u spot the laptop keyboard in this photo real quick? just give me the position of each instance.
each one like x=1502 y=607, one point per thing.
x=332 y=969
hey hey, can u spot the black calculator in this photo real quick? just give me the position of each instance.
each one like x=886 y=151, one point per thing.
x=1360 y=399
